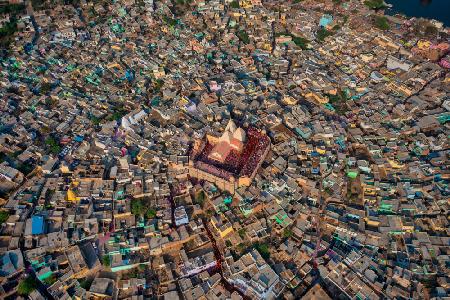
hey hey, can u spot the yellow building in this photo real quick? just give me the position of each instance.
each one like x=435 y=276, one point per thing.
x=71 y=196
x=316 y=98
x=223 y=228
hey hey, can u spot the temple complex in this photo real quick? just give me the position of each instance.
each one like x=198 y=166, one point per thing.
x=231 y=160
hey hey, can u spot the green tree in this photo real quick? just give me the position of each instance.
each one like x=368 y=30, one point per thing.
x=45 y=87
x=338 y=101
x=287 y=233
x=241 y=233
x=84 y=283
x=151 y=213
x=38 y=4
x=9 y=28
x=375 y=4
x=106 y=260
x=26 y=286
x=345 y=19
x=381 y=23
x=50 y=102
x=234 y=4
x=25 y=168
x=200 y=198
x=4 y=215
x=12 y=8
x=243 y=36
x=323 y=33
x=140 y=207
x=431 y=30
x=158 y=84
x=7 y=32
x=263 y=249
x=298 y=41
x=170 y=21
x=53 y=145
x=137 y=207
x=95 y=120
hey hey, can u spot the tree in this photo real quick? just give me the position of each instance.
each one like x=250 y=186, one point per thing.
x=241 y=233
x=51 y=102
x=26 y=286
x=106 y=260
x=209 y=213
x=243 y=36
x=263 y=249
x=12 y=9
x=170 y=21
x=25 y=168
x=158 y=84
x=140 y=207
x=287 y=233
x=234 y=4
x=95 y=120
x=4 y=215
x=151 y=213
x=200 y=198
x=53 y=145
x=322 y=33
x=7 y=31
x=298 y=41
x=9 y=28
x=431 y=30
x=375 y=4
x=381 y=23
x=84 y=283
x=46 y=87
x=137 y=207
x=339 y=102
x=38 y=4
x=345 y=19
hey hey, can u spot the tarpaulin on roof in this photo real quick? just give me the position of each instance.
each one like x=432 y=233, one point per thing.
x=37 y=225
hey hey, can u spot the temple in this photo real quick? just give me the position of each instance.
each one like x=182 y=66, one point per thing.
x=232 y=139
x=230 y=160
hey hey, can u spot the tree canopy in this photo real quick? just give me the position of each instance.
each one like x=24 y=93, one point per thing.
x=26 y=286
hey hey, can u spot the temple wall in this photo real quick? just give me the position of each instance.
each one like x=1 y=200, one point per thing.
x=221 y=183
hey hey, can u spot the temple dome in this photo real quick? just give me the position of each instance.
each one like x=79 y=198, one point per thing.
x=239 y=135
x=231 y=126
x=226 y=137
